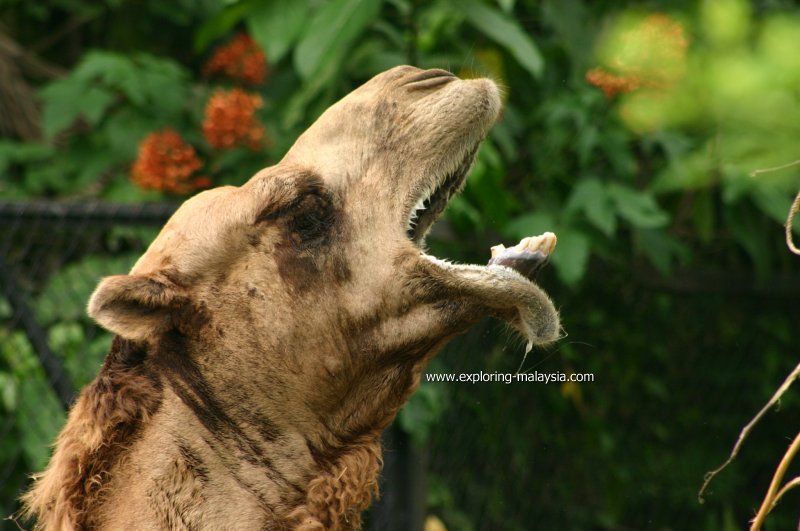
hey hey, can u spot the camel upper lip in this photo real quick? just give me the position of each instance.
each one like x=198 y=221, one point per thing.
x=429 y=79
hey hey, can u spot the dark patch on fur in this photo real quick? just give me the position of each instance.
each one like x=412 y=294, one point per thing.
x=263 y=425
x=294 y=189
x=188 y=317
x=299 y=273
x=187 y=381
x=310 y=221
x=341 y=268
x=314 y=229
x=192 y=460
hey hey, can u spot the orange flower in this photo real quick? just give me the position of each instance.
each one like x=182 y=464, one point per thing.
x=612 y=84
x=241 y=60
x=650 y=54
x=167 y=163
x=230 y=120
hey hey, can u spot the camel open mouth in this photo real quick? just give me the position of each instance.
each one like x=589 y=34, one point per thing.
x=432 y=202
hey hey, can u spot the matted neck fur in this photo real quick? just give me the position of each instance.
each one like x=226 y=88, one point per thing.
x=272 y=331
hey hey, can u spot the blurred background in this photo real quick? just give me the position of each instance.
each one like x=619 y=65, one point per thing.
x=659 y=140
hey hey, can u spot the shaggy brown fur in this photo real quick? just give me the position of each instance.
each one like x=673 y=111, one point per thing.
x=272 y=331
x=105 y=418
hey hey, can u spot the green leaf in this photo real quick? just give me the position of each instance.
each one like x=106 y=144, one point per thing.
x=38 y=414
x=569 y=19
x=692 y=171
x=59 y=109
x=8 y=391
x=93 y=104
x=13 y=152
x=485 y=186
x=164 y=85
x=67 y=100
x=772 y=201
x=571 y=255
x=506 y=5
x=113 y=70
x=298 y=104
x=157 y=86
x=589 y=196
x=661 y=249
x=420 y=415
x=373 y=55
x=276 y=25
x=505 y=31
x=125 y=129
x=330 y=33
x=463 y=215
x=638 y=208
x=614 y=144
x=37 y=401
x=220 y=24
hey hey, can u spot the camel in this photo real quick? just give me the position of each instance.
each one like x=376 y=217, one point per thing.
x=271 y=331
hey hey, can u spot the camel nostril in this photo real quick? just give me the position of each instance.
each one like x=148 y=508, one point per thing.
x=429 y=78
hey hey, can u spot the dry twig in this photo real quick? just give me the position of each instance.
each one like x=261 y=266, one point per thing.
x=773 y=494
x=792 y=212
x=747 y=429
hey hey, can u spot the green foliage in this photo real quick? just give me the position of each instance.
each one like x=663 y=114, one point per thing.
x=152 y=85
x=650 y=192
x=64 y=298
x=276 y=26
x=505 y=31
x=330 y=33
x=28 y=396
x=96 y=115
x=424 y=411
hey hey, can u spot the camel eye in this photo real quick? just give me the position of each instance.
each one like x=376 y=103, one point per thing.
x=311 y=220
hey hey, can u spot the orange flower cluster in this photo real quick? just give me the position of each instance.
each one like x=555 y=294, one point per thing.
x=612 y=84
x=167 y=163
x=230 y=120
x=651 y=55
x=241 y=60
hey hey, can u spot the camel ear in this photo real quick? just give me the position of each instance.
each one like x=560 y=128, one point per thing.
x=135 y=307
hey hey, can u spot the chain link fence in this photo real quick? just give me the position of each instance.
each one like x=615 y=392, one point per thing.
x=51 y=257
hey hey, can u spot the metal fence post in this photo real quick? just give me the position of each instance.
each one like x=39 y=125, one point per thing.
x=401 y=506
x=51 y=364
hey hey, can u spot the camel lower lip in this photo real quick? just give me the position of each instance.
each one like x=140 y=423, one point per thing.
x=525 y=263
x=528 y=256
